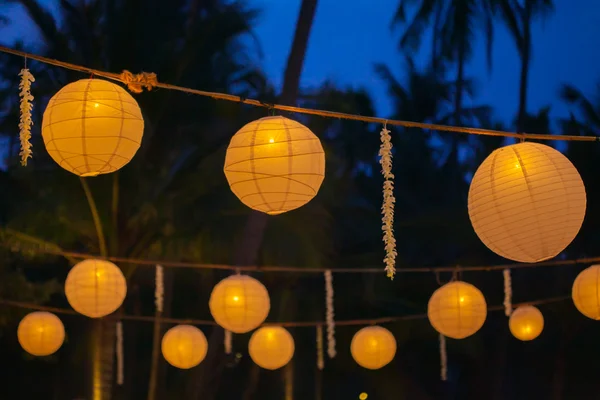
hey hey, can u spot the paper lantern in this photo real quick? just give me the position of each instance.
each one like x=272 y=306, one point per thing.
x=92 y=127
x=239 y=303
x=271 y=347
x=527 y=202
x=95 y=288
x=586 y=292
x=373 y=347
x=41 y=333
x=275 y=165
x=457 y=310
x=526 y=323
x=184 y=346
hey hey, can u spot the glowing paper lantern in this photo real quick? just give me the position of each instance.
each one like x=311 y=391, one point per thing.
x=95 y=288
x=527 y=202
x=275 y=165
x=271 y=347
x=457 y=310
x=184 y=346
x=92 y=127
x=526 y=323
x=586 y=292
x=41 y=333
x=239 y=303
x=373 y=347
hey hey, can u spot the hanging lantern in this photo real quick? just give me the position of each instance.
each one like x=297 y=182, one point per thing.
x=239 y=303
x=41 y=333
x=527 y=202
x=275 y=165
x=92 y=127
x=586 y=292
x=271 y=347
x=457 y=310
x=526 y=323
x=95 y=288
x=373 y=347
x=184 y=346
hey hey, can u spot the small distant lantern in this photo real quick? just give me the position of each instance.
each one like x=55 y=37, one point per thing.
x=586 y=292
x=526 y=323
x=41 y=333
x=275 y=165
x=184 y=346
x=527 y=202
x=457 y=310
x=271 y=347
x=373 y=347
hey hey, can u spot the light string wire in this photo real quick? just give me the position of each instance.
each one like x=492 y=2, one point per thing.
x=295 y=324
x=128 y=79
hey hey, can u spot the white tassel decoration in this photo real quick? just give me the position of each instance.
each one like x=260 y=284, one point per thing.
x=387 y=208
x=159 y=289
x=507 y=292
x=119 y=353
x=443 y=358
x=25 y=119
x=227 y=342
x=320 y=360
x=330 y=314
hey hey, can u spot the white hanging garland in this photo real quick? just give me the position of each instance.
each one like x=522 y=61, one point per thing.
x=443 y=358
x=329 y=314
x=119 y=353
x=387 y=208
x=25 y=118
x=227 y=342
x=320 y=358
x=507 y=292
x=159 y=289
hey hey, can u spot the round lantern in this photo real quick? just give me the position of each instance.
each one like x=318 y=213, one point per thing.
x=184 y=346
x=457 y=310
x=526 y=323
x=95 y=288
x=41 y=333
x=239 y=303
x=275 y=165
x=373 y=347
x=527 y=202
x=92 y=127
x=271 y=347
x=586 y=292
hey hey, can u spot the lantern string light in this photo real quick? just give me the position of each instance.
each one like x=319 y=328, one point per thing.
x=507 y=292
x=330 y=314
x=25 y=118
x=149 y=80
x=320 y=358
x=443 y=358
x=159 y=290
x=297 y=324
x=387 y=208
x=119 y=353
x=227 y=341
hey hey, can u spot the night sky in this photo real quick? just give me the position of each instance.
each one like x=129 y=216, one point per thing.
x=346 y=42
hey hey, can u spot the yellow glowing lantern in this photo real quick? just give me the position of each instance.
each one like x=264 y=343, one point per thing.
x=95 y=288
x=92 y=127
x=373 y=347
x=271 y=347
x=457 y=310
x=586 y=292
x=527 y=202
x=275 y=165
x=526 y=323
x=41 y=333
x=184 y=346
x=239 y=303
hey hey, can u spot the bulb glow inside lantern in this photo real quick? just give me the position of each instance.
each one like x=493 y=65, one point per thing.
x=373 y=347
x=92 y=127
x=239 y=303
x=526 y=323
x=41 y=333
x=275 y=165
x=457 y=310
x=271 y=347
x=527 y=202
x=184 y=346
x=586 y=292
x=95 y=288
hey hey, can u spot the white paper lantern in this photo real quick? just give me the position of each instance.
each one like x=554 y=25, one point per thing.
x=586 y=292
x=41 y=333
x=271 y=347
x=527 y=202
x=184 y=346
x=373 y=347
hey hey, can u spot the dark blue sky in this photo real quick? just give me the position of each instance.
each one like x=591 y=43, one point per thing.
x=346 y=42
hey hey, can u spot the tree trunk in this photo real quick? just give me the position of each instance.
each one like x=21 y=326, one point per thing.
x=525 y=58
x=103 y=345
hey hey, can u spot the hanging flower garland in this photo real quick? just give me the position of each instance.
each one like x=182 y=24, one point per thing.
x=159 y=288
x=329 y=314
x=227 y=342
x=443 y=358
x=320 y=358
x=25 y=118
x=119 y=353
x=507 y=292
x=387 y=209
